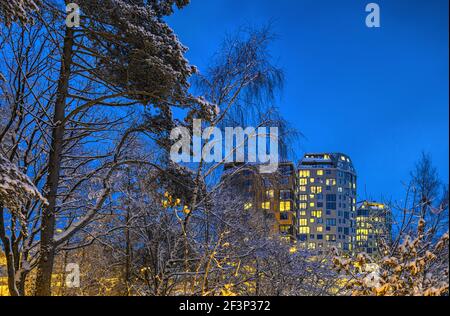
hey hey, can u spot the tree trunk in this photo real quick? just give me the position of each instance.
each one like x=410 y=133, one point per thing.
x=13 y=291
x=128 y=253
x=47 y=247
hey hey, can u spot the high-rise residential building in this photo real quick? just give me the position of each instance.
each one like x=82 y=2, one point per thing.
x=373 y=225
x=278 y=197
x=326 y=202
x=271 y=193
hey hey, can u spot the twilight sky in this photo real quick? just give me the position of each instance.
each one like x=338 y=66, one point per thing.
x=378 y=95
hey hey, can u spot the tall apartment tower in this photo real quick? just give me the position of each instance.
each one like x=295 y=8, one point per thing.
x=373 y=225
x=326 y=202
x=277 y=196
x=272 y=193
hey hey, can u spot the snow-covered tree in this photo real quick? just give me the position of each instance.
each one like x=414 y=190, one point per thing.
x=85 y=110
x=414 y=268
x=16 y=192
x=429 y=196
x=17 y=10
x=70 y=119
x=15 y=187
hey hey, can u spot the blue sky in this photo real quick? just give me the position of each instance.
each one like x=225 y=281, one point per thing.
x=378 y=95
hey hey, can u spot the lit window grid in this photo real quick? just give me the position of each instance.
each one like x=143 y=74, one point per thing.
x=309 y=202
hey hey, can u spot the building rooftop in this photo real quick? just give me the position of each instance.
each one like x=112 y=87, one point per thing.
x=372 y=205
x=326 y=160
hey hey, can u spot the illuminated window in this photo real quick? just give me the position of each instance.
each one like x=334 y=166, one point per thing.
x=331 y=182
x=343 y=158
x=303 y=230
x=303 y=181
x=311 y=204
x=303 y=222
x=316 y=189
x=265 y=205
x=311 y=245
x=362 y=231
x=311 y=196
x=302 y=213
x=319 y=229
x=311 y=220
x=302 y=206
x=317 y=213
x=304 y=173
x=248 y=206
x=269 y=194
x=311 y=180
x=302 y=189
x=285 y=206
x=320 y=172
x=303 y=197
x=326 y=157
